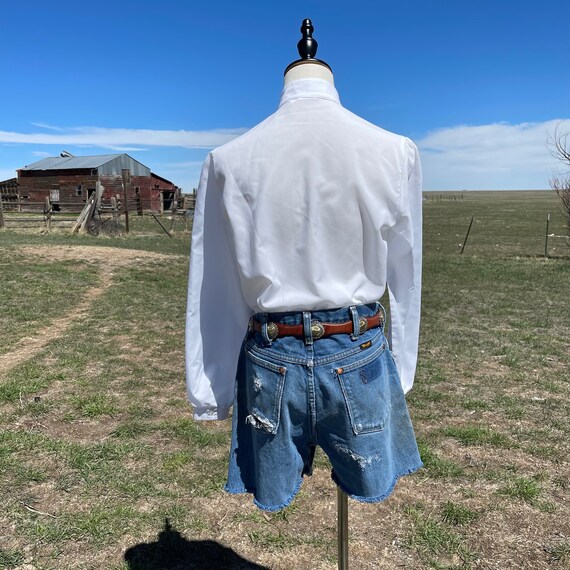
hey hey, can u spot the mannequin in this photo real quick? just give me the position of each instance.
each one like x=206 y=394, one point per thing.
x=305 y=360
x=308 y=66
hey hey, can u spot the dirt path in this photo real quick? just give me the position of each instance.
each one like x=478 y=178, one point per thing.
x=108 y=259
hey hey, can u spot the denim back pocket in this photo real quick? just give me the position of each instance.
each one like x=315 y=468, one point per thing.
x=264 y=388
x=365 y=388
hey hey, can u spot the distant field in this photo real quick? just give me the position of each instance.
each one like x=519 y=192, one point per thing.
x=98 y=448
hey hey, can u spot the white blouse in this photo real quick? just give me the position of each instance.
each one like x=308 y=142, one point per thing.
x=314 y=208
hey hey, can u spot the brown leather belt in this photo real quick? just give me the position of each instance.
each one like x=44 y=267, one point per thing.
x=319 y=329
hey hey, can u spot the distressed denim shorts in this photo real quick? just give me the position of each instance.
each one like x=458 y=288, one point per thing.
x=340 y=392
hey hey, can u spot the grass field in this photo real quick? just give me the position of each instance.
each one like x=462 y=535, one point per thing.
x=102 y=467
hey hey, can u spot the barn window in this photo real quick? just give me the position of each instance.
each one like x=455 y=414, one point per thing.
x=79 y=191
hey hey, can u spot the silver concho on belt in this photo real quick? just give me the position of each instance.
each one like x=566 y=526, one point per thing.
x=272 y=330
x=317 y=329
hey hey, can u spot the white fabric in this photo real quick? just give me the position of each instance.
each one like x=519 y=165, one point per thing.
x=314 y=208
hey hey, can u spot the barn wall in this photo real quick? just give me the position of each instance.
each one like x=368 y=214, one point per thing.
x=114 y=185
x=9 y=187
x=39 y=185
x=68 y=186
x=159 y=186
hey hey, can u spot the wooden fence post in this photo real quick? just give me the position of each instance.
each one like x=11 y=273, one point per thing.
x=546 y=236
x=126 y=174
x=92 y=206
x=160 y=224
x=99 y=189
x=173 y=210
x=468 y=230
x=139 y=203
x=47 y=213
x=115 y=213
x=1 y=212
x=83 y=217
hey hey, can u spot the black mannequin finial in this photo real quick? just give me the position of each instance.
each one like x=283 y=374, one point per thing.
x=307 y=47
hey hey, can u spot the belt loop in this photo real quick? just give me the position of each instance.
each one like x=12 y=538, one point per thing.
x=307 y=327
x=378 y=307
x=264 y=334
x=355 y=323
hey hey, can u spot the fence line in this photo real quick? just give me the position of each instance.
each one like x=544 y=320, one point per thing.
x=442 y=197
x=20 y=205
x=63 y=211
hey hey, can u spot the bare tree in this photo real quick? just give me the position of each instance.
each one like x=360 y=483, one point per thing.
x=560 y=183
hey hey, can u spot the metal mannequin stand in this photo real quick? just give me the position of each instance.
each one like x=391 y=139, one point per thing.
x=342 y=522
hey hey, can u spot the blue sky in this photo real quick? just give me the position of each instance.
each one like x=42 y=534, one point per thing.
x=477 y=85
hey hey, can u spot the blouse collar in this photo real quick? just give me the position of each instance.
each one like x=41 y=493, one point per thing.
x=309 y=88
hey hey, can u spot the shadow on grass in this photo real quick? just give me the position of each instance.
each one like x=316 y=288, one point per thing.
x=174 y=552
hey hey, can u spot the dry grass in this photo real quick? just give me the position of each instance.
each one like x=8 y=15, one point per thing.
x=101 y=466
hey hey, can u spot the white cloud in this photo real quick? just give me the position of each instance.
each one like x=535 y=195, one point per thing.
x=111 y=147
x=497 y=156
x=46 y=126
x=119 y=138
x=490 y=157
x=126 y=148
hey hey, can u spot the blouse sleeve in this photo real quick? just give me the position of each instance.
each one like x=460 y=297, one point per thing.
x=216 y=315
x=404 y=271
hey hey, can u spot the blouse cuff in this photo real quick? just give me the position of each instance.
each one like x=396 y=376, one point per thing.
x=210 y=413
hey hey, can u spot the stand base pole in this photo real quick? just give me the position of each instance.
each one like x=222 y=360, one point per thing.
x=342 y=538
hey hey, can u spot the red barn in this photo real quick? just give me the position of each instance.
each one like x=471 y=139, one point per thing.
x=68 y=179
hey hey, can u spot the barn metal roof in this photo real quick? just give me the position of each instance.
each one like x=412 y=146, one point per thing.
x=70 y=162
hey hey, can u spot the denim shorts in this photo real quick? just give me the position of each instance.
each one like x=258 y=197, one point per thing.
x=340 y=392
